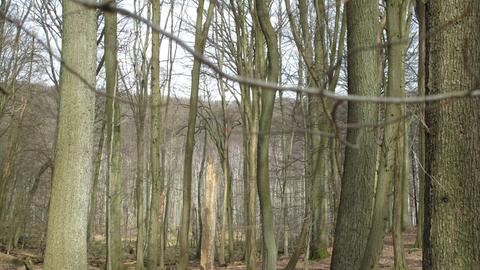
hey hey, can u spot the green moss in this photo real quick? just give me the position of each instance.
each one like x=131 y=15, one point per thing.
x=320 y=254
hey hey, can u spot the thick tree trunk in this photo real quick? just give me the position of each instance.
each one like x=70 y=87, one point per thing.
x=68 y=214
x=355 y=209
x=452 y=196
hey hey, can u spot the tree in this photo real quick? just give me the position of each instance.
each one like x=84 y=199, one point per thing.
x=421 y=129
x=246 y=63
x=392 y=153
x=114 y=176
x=157 y=200
x=452 y=199
x=267 y=99
x=67 y=222
x=355 y=209
x=201 y=35
x=209 y=216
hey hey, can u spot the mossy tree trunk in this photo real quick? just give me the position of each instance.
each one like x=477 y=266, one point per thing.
x=267 y=103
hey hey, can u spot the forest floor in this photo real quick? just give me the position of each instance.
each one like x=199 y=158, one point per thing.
x=413 y=258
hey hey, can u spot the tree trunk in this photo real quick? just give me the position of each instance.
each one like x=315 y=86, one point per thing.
x=452 y=197
x=96 y=178
x=201 y=35
x=155 y=253
x=209 y=219
x=21 y=217
x=392 y=152
x=68 y=214
x=200 y=188
x=139 y=192
x=421 y=127
x=355 y=209
x=265 y=122
x=114 y=177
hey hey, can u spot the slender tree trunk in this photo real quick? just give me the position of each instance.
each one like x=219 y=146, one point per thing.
x=355 y=209
x=200 y=40
x=139 y=192
x=96 y=178
x=21 y=218
x=114 y=178
x=452 y=196
x=8 y=166
x=421 y=127
x=200 y=188
x=155 y=253
x=265 y=122
x=251 y=237
x=406 y=175
x=398 y=250
x=68 y=214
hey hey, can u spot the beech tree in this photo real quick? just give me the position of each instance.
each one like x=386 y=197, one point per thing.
x=68 y=215
x=356 y=198
x=452 y=159
x=201 y=35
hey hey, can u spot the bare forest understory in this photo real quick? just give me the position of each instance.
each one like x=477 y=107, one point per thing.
x=239 y=134
x=413 y=257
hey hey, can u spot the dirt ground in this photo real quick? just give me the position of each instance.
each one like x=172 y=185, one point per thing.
x=413 y=257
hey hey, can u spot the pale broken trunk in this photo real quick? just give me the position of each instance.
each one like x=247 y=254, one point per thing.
x=67 y=222
x=209 y=217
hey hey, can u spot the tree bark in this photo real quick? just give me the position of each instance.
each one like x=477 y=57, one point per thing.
x=355 y=209
x=114 y=177
x=68 y=215
x=209 y=218
x=96 y=178
x=452 y=197
x=155 y=253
